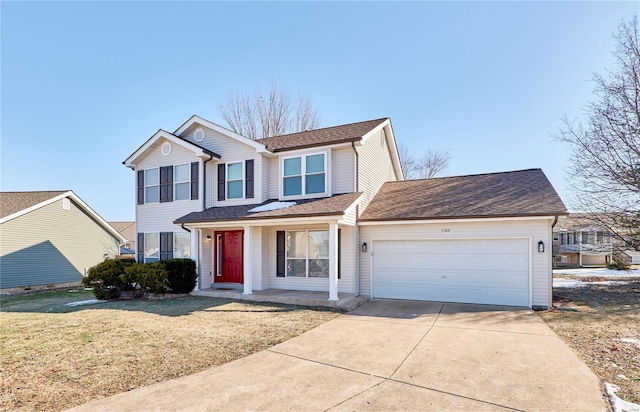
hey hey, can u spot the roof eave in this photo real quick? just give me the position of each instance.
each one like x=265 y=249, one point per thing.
x=427 y=218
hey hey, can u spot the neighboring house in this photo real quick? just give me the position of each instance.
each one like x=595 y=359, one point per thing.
x=50 y=238
x=128 y=231
x=582 y=242
x=328 y=210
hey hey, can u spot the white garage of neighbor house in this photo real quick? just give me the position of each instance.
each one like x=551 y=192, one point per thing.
x=50 y=238
x=474 y=239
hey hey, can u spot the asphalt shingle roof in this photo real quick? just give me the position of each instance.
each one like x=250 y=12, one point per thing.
x=126 y=229
x=319 y=137
x=334 y=205
x=13 y=202
x=506 y=194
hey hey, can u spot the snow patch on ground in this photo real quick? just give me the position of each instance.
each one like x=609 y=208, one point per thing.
x=631 y=340
x=617 y=404
x=85 y=302
x=576 y=283
x=272 y=206
x=604 y=272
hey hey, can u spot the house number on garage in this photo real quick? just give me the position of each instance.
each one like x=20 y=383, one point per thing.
x=445 y=230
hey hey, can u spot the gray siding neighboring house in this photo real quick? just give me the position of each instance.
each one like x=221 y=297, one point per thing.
x=50 y=238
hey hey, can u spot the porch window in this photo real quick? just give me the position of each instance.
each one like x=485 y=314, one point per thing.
x=181 y=245
x=151 y=185
x=307 y=253
x=234 y=181
x=182 y=181
x=151 y=247
x=304 y=175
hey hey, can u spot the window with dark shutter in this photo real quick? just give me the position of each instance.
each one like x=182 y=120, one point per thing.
x=194 y=180
x=140 y=247
x=248 y=173
x=221 y=180
x=166 y=245
x=140 y=187
x=166 y=184
x=280 y=257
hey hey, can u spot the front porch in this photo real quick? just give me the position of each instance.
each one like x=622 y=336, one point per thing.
x=346 y=301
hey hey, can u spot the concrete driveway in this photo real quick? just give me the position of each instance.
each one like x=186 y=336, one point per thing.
x=392 y=355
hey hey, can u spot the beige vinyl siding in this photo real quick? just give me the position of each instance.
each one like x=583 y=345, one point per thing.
x=265 y=179
x=346 y=283
x=274 y=177
x=343 y=175
x=51 y=245
x=535 y=230
x=231 y=151
x=375 y=168
x=206 y=259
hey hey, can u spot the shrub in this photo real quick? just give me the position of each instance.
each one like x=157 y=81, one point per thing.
x=106 y=292
x=182 y=274
x=105 y=279
x=153 y=276
x=618 y=264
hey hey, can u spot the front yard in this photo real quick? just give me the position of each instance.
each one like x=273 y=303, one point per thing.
x=54 y=356
x=605 y=329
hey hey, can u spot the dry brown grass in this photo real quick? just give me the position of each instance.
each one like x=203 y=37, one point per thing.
x=54 y=357
x=606 y=314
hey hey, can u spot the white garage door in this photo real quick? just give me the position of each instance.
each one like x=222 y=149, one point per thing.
x=492 y=271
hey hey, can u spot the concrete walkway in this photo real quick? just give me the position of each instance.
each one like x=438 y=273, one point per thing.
x=392 y=355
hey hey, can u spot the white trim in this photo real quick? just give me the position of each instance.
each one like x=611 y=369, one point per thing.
x=260 y=148
x=247 y=278
x=529 y=239
x=78 y=201
x=333 y=261
x=242 y=179
x=163 y=134
x=303 y=162
x=453 y=220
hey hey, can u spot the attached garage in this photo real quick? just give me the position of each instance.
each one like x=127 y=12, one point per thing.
x=482 y=239
x=489 y=271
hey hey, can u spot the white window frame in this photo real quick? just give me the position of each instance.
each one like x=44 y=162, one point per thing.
x=157 y=169
x=306 y=253
x=144 y=251
x=303 y=166
x=175 y=182
x=184 y=234
x=226 y=181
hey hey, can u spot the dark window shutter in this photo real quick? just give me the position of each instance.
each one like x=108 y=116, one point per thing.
x=166 y=245
x=248 y=174
x=140 y=247
x=221 y=180
x=339 y=251
x=280 y=258
x=140 y=187
x=194 y=180
x=166 y=184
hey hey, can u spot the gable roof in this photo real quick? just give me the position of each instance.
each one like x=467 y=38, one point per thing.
x=126 y=229
x=506 y=194
x=320 y=137
x=200 y=151
x=16 y=204
x=328 y=206
x=195 y=119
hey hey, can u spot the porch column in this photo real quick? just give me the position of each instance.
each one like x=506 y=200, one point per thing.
x=333 y=261
x=195 y=254
x=246 y=262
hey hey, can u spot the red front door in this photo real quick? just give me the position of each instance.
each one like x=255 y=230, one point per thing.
x=228 y=256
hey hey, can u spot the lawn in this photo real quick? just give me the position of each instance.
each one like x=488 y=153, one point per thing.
x=54 y=357
x=605 y=329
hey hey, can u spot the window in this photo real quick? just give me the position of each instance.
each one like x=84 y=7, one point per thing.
x=307 y=253
x=182 y=181
x=181 y=245
x=151 y=247
x=234 y=181
x=151 y=185
x=304 y=175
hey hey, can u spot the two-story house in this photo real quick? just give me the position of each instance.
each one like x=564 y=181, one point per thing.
x=328 y=210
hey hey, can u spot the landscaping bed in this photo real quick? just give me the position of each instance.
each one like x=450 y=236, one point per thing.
x=600 y=320
x=54 y=356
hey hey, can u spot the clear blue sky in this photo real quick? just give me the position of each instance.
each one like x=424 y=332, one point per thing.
x=85 y=83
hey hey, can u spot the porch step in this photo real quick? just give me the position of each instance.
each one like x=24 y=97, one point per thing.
x=345 y=302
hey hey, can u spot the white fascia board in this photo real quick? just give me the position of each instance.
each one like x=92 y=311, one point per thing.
x=79 y=202
x=314 y=149
x=375 y=130
x=391 y=144
x=163 y=134
x=260 y=148
x=444 y=221
x=265 y=222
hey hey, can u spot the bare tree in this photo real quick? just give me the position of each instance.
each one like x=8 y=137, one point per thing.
x=422 y=166
x=257 y=115
x=604 y=166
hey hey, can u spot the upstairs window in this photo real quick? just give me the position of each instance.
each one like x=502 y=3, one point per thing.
x=235 y=181
x=182 y=182
x=304 y=175
x=151 y=185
